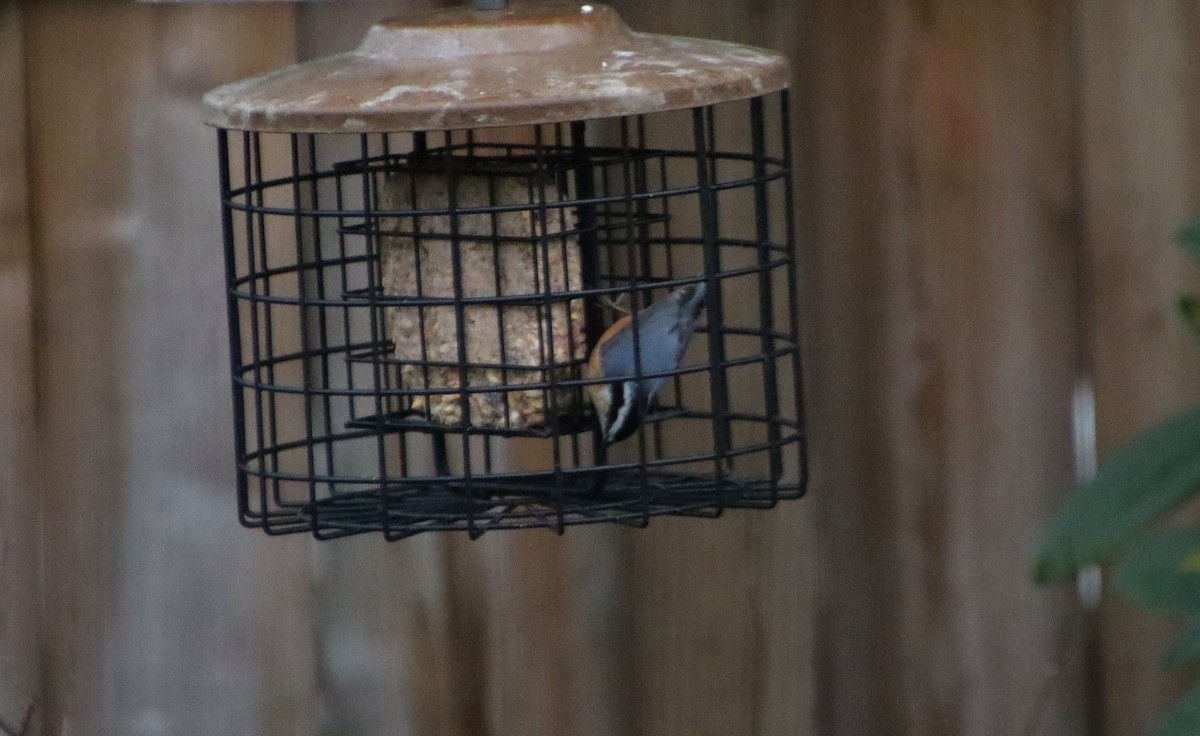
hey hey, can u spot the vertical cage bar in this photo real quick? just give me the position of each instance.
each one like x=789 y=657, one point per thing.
x=260 y=220
x=441 y=465
x=639 y=411
x=550 y=402
x=766 y=301
x=642 y=180
x=663 y=179
x=605 y=208
x=371 y=230
x=589 y=253
x=460 y=327
x=715 y=317
x=235 y=325
x=498 y=286
x=344 y=283
x=793 y=305
x=305 y=348
x=711 y=128
x=255 y=343
x=563 y=228
x=318 y=259
x=535 y=254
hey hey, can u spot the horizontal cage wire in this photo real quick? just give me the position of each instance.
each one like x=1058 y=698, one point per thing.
x=411 y=316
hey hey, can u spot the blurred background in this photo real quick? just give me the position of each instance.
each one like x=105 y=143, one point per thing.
x=986 y=203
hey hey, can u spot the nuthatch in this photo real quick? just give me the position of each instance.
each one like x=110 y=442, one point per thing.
x=663 y=331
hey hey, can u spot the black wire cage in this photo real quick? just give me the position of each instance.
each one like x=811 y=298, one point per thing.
x=410 y=314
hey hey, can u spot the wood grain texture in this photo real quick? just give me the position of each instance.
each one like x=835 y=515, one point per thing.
x=252 y=641
x=161 y=615
x=937 y=172
x=401 y=628
x=1140 y=103
x=79 y=198
x=942 y=174
x=720 y=612
x=19 y=519
x=515 y=634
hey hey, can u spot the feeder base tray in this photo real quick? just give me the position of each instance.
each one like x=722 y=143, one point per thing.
x=629 y=497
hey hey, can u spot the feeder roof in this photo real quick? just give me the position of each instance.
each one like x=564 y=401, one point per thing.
x=464 y=68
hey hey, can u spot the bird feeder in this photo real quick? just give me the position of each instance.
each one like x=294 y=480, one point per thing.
x=425 y=238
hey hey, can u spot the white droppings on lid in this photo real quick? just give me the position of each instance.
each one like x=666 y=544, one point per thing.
x=652 y=63
x=449 y=89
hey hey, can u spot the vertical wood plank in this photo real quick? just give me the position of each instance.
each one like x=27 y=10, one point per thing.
x=937 y=145
x=401 y=628
x=183 y=542
x=1140 y=130
x=529 y=668
x=508 y=635
x=397 y=644
x=720 y=612
x=161 y=613
x=79 y=200
x=19 y=519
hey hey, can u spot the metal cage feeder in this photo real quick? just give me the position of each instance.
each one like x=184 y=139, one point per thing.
x=425 y=238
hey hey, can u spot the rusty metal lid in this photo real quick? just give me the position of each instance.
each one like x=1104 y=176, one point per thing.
x=463 y=68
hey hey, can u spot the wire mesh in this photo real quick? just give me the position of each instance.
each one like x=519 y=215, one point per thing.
x=410 y=314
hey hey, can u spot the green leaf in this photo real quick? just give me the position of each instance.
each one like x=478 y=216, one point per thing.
x=1162 y=572
x=1136 y=485
x=1189 y=236
x=1185 y=649
x=1189 y=308
x=1184 y=717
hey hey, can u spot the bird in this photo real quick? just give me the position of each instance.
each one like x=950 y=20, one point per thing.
x=663 y=330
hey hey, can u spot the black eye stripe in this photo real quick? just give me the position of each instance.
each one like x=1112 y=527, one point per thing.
x=616 y=401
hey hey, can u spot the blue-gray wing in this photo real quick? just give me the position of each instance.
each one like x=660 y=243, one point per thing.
x=664 y=329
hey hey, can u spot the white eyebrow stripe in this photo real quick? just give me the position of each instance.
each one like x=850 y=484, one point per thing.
x=628 y=391
x=606 y=396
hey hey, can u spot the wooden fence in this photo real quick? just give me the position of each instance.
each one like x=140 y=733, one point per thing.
x=987 y=201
